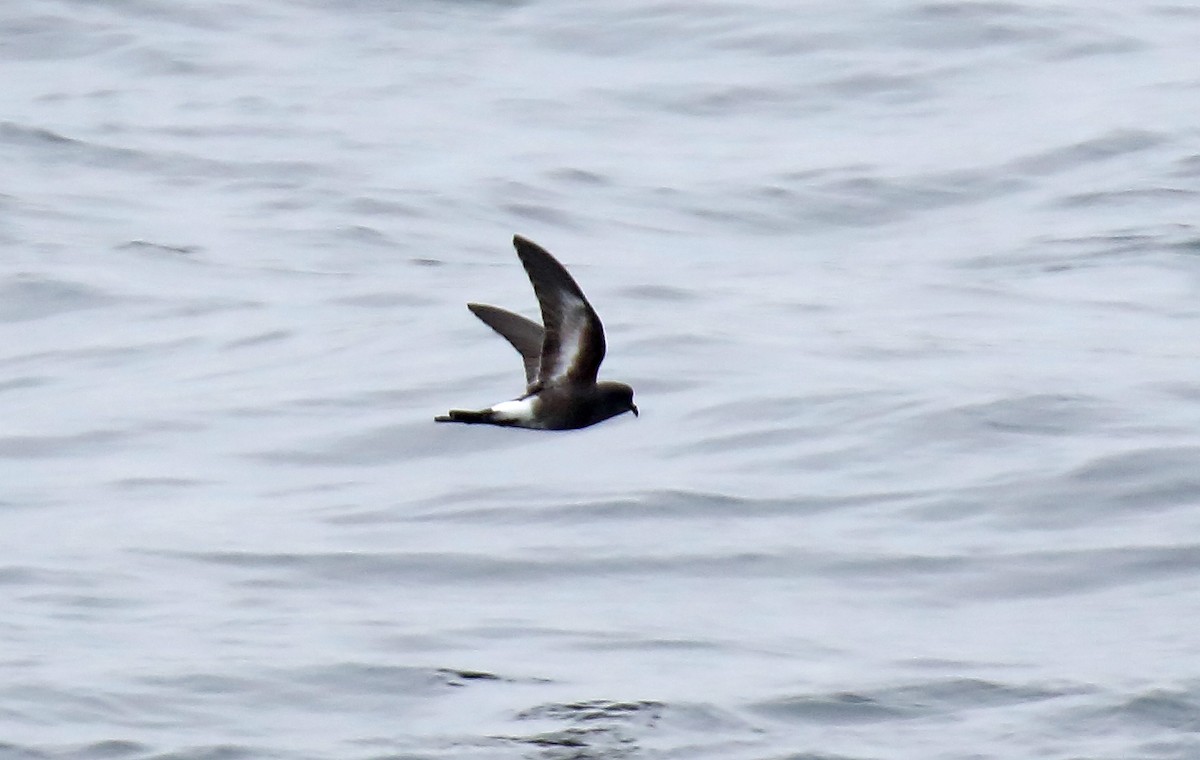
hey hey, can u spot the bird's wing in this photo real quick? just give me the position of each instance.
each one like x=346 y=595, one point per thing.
x=525 y=335
x=573 y=337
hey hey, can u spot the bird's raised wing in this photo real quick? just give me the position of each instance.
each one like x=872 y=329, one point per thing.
x=525 y=335
x=573 y=337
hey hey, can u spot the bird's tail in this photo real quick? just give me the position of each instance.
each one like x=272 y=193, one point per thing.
x=466 y=416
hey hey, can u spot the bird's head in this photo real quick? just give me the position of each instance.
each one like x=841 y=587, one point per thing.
x=616 y=398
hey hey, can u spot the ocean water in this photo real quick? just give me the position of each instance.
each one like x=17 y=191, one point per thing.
x=908 y=292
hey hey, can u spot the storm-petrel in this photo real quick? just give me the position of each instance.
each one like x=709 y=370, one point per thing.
x=561 y=361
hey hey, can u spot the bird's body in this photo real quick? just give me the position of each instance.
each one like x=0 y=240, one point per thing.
x=562 y=356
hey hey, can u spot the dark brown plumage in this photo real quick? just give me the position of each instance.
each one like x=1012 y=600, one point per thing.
x=562 y=356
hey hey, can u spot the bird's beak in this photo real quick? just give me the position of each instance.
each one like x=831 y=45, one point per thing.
x=633 y=408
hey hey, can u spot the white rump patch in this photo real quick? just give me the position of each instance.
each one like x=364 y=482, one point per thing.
x=520 y=410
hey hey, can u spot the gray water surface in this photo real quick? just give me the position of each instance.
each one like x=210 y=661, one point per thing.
x=908 y=292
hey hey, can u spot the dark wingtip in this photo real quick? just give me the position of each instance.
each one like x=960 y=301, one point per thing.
x=523 y=244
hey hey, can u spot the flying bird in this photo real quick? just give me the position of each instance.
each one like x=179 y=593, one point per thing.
x=562 y=355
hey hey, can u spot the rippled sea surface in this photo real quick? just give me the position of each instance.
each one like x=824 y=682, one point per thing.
x=908 y=291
